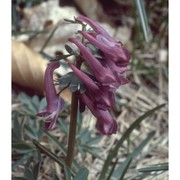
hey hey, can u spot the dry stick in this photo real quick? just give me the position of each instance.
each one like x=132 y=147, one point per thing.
x=72 y=129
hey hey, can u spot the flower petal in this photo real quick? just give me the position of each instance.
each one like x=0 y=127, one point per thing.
x=105 y=123
x=110 y=48
x=101 y=73
x=107 y=127
x=54 y=102
x=51 y=95
x=103 y=99
x=96 y=27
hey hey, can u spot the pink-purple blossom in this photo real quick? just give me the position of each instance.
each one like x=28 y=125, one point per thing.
x=103 y=100
x=106 y=74
x=105 y=123
x=54 y=102
x=102 y=74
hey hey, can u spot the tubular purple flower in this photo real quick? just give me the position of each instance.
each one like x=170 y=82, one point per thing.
x=119 y=54
x=105 y=123
x=91 y=85
x=103 y=99
x=115 y=66
x=102 y=74
x=97 y=28
x=54 y=102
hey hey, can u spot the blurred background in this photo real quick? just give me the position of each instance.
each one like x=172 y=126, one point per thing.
x=39 y=34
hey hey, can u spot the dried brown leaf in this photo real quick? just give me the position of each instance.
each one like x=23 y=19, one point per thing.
x=28 y=69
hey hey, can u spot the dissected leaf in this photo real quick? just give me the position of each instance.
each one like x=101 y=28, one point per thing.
x=67 y=173
x=21 y=160
x=28 y=174
x=17 y=129
x=94 y=50
x=82 y=174
x=71 y=81
x=63 y=125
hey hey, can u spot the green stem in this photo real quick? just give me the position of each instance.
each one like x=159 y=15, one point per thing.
x=72 y=129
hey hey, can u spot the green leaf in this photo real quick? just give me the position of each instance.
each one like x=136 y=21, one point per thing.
x=25 y=99
x=143 y=18
x=112 y=169
x=35 y=102
x=49 y=153
x=94 y=140
x=21 y=160
x=55 y=177
x=113 y=152
x=63 y=125
x=42 y=103
x=82 y=174
x=94 y=151
x=56 y=142
x=94 y=50
x=85 y=136
x=31 y=131
x=125 y=168
x=35 y=170
x=28 y=174
x=155 y=167
x=71 y=81
x=28 y=170
x=22 y=147
x=67 y=173
x=121 y=170
x=17 y=129
x=61 y=147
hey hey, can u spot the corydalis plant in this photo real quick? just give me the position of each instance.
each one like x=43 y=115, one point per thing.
x=104 y=74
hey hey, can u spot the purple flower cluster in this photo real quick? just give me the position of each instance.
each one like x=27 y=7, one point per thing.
x=106 y=73
x=104 y=77
x=54 y=102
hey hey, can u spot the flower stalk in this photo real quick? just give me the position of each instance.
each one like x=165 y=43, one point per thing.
x=72 y=129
